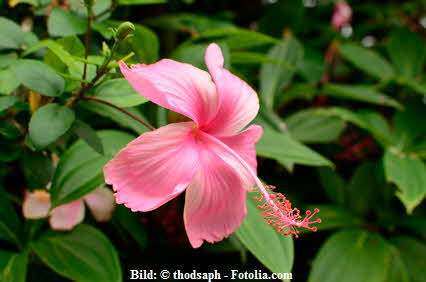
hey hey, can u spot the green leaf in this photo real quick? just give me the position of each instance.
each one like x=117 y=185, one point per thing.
x=7 y=59
x=80 y=169
x=39 y=77
x=13 y=266
x=352 y=255
x=131 y=222
x=9 y=83
x=283 y=148
x=412 y=253
x=140 y=2
x=7 y=102
x=333 y=217
x=367 y=60
x=49 y=123
x=272 y=249
x=363 y=93
x=144 y=42
x=333 y=184
x=63 y=23
x=274 y=77
x=408 y=52
x=305 y=91
x=84 y=254
x=88 y=134
x=254 y=58
x=120 y=93
x=408 y=174
x=312 y=66
x=310 y=127
x=407 y=128
x=194 y=54
x=10 y=226
x=116 y=115
x=38 y=169
x=11 y=35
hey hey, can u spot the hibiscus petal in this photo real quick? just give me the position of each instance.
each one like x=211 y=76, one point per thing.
x=67 y=216
x=244 y=145
x=215 y=202
x=34 y=207
x=154 y=168
x=100 y=203
x=176 y=86
x=238 y=103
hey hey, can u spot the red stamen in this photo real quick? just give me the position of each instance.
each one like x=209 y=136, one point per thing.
x=277 y=211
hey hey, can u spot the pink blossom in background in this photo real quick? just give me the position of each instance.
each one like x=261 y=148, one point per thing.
x=209 y=157
x=342 y=15
x=65 y=217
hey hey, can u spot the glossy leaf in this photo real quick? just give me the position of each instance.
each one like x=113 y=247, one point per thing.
x=120 y=93
x=49 y=123
x=283 y=148
x=408 y=174
x=352 y=255
x=80 y=169
x=38 y=77
x=367 y=60
x=84 y=254
x=88 y=134
x=9 y=83
x=273 y=250
x=63 y=23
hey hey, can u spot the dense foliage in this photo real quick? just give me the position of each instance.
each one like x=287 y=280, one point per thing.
x=342 y=107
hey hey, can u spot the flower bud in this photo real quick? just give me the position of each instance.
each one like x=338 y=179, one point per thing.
x=123 y=30
x=342 y=15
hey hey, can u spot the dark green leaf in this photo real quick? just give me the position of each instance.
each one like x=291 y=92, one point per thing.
x=408 y=52
x=310 y=127
x=80 y=169
x=333 y=217
x=363 y=93
x=63 y=23
x=49 y=123
x=333 y=184
x=131 y=222
x=283 y=148
x=408 y=174
x=38 y=169
x=7 y=102
x=84 y=254
x=145 y=44
x=120 y=93
x=412 y=252
x=367 y=60
x=13 y=266
x=38 y=77
x=274 y=77
x=352 y=256
x=10 y=226
x=11 y=35
x=140 y=2
x=272 y=249
x=408 y=129
x=85 y=132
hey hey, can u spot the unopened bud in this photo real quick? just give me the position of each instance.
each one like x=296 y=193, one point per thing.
x=123 y=30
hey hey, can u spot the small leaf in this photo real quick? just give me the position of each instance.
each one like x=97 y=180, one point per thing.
x=272 y=249
x=408 y=52
x=7 y=59
x=274 y=77
x=409 y=175
x=63 y=23
x=13 y=266
x=11 y=35
x=85 y=132
x=310 y=127
x=9 y=83
x=283 y=148
x=49 y=123
x=363 y=93
x=84 y=254
x=7 y=102
x=367 y=60
x=80 y=169
x=120 y=93
x=352 y=255
x=38 y=169
x=39 y=77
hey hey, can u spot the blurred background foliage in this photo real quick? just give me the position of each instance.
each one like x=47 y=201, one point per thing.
x=342 y=106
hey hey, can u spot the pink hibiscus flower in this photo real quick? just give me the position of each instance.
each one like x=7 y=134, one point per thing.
x=65 y=217
x=209 y=157
x=342 y=15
